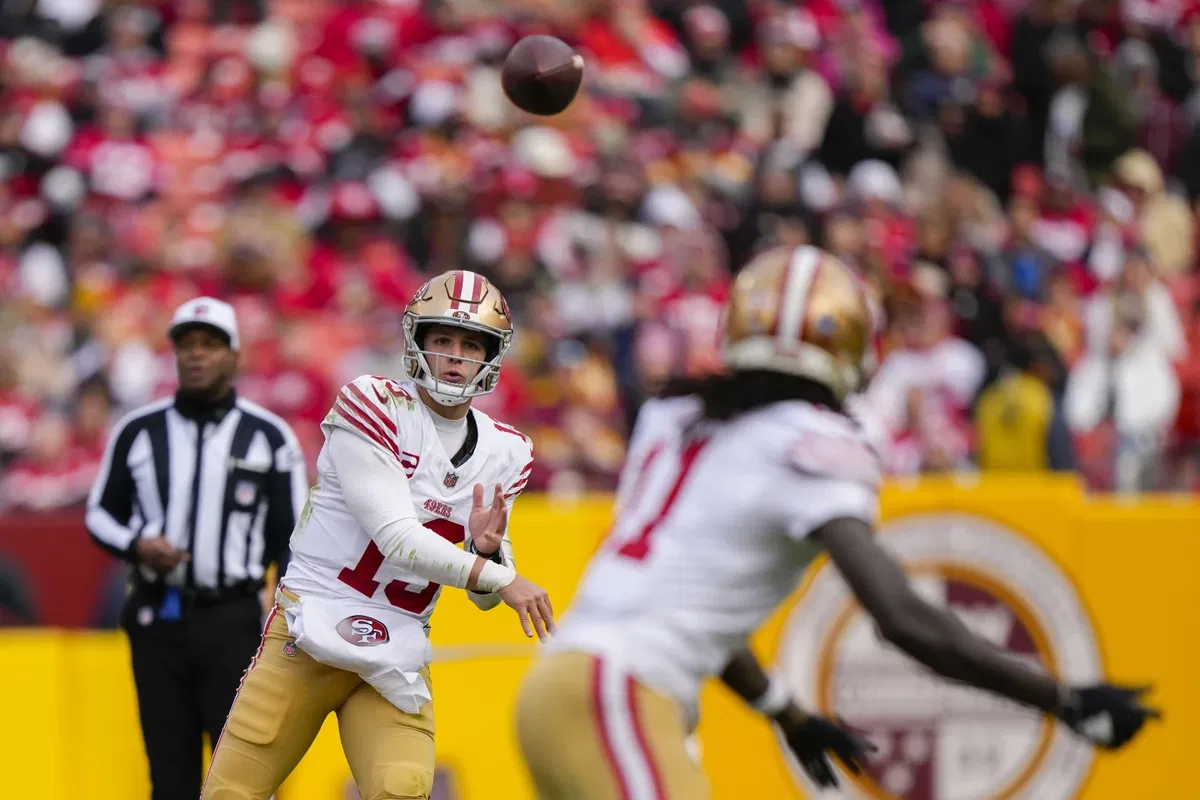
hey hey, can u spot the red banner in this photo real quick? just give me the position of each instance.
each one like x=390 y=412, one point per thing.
x=59 y=566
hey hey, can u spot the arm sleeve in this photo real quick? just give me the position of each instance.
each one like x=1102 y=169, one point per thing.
x=286 y=493
x=375 y=489
x=111 y=501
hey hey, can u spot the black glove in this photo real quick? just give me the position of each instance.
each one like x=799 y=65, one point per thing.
x=1107 y=716
x=812 y=738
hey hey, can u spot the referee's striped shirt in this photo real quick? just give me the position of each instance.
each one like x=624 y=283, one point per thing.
x=231 y=502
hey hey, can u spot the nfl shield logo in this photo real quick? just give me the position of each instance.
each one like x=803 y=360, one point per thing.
x=450 y=480
x=289 y=648
x=245 y=493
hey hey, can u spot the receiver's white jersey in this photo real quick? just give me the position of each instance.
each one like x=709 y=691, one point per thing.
x=333 y=557
x=711 y=535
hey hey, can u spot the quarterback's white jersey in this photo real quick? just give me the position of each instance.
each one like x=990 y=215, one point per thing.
x=711 y=534
x=333 y=557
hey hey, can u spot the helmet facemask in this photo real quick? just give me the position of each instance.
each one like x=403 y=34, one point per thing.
x=418 y=361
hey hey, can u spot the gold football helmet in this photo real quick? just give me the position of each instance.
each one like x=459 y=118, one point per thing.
x=800 y=311
x=465 y=300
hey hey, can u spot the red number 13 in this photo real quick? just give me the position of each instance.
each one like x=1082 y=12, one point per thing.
x=400 y=594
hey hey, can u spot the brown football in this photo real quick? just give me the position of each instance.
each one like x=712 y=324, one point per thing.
x=542 y=74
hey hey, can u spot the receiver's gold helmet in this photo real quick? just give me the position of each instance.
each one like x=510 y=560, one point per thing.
x=800 y=311
x=465 y=300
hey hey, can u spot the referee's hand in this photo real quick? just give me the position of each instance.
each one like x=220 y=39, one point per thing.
x=159 y=554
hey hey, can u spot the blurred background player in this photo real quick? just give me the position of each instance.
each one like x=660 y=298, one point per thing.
x=402 y=479
x=733 y=486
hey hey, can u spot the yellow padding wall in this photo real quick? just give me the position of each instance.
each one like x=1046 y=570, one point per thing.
x=71 y=730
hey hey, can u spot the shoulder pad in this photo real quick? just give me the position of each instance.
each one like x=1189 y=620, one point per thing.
x=388 y=391
x=369 y=406
x=823 y=444
x=509 y=429
x=521 y=451
x=832 y=455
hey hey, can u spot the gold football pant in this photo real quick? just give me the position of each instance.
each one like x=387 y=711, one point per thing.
x=591 y=732
x=284 y=699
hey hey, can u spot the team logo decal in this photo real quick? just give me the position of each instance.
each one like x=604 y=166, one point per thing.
x=937 y=740
x=409 y=461
x=363 y=631
x=439 y=508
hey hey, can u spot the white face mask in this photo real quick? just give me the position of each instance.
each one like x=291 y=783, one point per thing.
x=417 y=362
x=449 y=393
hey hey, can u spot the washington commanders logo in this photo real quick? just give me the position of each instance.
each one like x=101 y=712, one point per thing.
x=937 y=740
x=363 y=631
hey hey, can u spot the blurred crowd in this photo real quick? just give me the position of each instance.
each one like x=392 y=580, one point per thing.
x=1014 y=179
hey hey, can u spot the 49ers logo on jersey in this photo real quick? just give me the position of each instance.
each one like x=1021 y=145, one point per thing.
x=439 y=508
x=363 y=631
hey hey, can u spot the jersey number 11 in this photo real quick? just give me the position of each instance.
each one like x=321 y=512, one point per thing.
x=638 y=547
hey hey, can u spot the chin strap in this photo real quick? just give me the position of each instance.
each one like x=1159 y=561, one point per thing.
x=443 y=399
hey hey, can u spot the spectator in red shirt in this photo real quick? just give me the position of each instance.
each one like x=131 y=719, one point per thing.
x=48 y=475
x=17 y=411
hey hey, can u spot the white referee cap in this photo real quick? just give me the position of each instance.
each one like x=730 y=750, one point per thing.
x=211 y=313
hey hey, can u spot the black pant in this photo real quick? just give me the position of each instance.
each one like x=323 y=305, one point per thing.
x=187 y=673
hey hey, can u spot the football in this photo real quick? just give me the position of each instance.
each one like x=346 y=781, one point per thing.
x=541 y=75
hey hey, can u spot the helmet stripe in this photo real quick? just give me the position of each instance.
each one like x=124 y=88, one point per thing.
x=793 y=305
x=466 y=293
x=469 y=279
x=456 y=291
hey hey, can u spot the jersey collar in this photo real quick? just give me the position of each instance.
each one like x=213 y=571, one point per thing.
x=468 y=445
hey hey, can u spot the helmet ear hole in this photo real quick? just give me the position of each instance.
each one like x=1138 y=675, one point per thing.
x=491 y=348
x=419 y=334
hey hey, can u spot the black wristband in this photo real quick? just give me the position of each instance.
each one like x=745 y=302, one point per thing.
x=497 y=557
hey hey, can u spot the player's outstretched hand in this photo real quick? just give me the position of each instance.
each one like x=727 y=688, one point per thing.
x=532 y=605
x=487 y=523
x=1108 y=716
x=812 y=738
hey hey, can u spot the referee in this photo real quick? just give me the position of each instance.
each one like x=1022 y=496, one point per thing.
x=200 y=492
